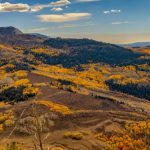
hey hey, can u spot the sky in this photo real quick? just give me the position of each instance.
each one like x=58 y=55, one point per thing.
x=113 y=21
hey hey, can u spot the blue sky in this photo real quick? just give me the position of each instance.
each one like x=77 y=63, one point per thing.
x=115 y=21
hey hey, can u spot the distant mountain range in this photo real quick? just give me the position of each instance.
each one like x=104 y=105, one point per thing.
x=137 y=44
x=13 y=35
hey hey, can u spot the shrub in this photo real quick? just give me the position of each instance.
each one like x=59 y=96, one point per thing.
x=9 y=123
x=101 y=137
x=18 y=91
x=1 y=128
x=30 y=91
x=12 y=146
x=73 y=135
x=6 y=120
x=21 y=73
x=21 y=82
x=2 y=104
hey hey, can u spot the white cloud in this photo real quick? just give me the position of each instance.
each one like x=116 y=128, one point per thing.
x=60 y=3
x=112 y=11
x=84 y=1
x=63 y=18
x=115 y=11
x=106 y=12
x=120 y=22
x=9 y=7
x=57 y=9
x=37 y=8
x=54 y=5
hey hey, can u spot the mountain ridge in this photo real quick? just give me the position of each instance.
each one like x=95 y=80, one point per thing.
x=74 y=52
x=137 y=44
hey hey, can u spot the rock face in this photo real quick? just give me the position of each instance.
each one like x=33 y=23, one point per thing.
x=10 y=31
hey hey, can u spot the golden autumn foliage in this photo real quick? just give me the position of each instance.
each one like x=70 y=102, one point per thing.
x=3 y=104
x=1 y=128
x=2 y=74
x=5 y=47
x=55 y=69
x=145 y=51
x=6 y=120
x=129 y=68
x=125 y=142
x=129 y=75
x=22 y=89
x=101 y=137
x=30 y=90
x=94 y=77
x=122 y=142
x=116 y=77
x=55 y=107
x=21 y=82
x=139 y=128
x=134 y=81
x=90 y=78
x=135 y=137
x=49 y=52
x=144 y=67
x=4 y=67
x=21 y=74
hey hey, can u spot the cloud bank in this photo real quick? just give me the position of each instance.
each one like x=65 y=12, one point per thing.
x=56 y=6
x=64 y=17
x=19 y=7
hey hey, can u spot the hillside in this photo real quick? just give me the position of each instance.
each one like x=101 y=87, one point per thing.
x=72 y=94
x=84 y=51
x=121 y=69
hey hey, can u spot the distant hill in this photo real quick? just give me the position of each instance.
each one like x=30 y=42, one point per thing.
x=15 y=37
x=9 y=31
x=39 y=35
